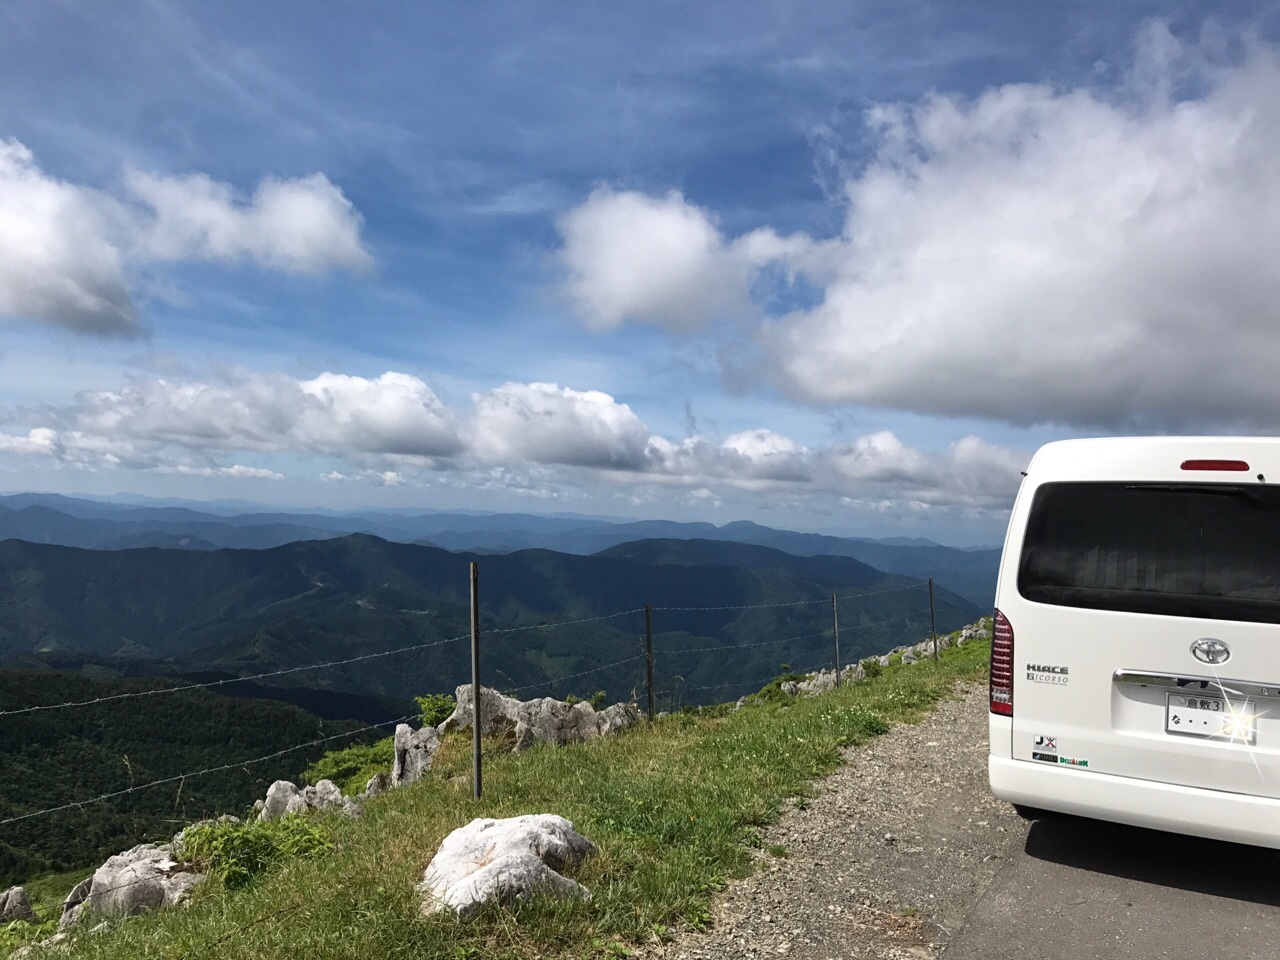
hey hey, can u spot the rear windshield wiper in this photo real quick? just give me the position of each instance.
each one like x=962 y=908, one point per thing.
x=1216 y=489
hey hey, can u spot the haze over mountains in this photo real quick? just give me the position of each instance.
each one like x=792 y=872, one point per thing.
x=68 y=521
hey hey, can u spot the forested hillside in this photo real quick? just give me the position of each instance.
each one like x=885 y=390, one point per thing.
x=56 y=757
x=242 y=612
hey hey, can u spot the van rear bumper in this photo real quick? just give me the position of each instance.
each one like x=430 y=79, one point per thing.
x=1215 y=814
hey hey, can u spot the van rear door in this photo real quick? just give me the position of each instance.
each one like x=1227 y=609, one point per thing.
x=1146 y=639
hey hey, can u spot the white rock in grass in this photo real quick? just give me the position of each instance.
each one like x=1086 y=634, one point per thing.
x=74 y=904
x=415 y=753
x=542 y=720
x=145 y=877
x=503 y=861
x=283 y=798
x=378 y=784
x=323 y=795
x=15 y=905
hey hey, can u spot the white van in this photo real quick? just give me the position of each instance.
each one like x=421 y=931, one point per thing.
x=1135 y=663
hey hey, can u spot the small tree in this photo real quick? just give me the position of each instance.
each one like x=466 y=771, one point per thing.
x=436 y=708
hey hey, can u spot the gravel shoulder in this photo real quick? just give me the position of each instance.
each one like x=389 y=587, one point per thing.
x=886 y=860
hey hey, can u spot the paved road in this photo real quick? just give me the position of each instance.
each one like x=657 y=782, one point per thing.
x=1079 y=890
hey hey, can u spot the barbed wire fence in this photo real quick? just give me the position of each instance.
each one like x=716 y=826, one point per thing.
x=670 y=689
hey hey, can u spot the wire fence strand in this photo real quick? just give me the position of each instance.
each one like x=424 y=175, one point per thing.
x=78 y=804
x=219 y=683
x=310 y=666
x=791 y=603
x=573 y=676
x=549 y=683
x=562 y=623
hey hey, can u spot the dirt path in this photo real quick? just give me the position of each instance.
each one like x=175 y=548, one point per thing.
x=885 y=862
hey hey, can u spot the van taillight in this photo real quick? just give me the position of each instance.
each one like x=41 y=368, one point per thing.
x=1237 y=466
x=1002 y=666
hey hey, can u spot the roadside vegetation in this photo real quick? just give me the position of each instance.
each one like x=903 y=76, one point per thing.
x=675 y=807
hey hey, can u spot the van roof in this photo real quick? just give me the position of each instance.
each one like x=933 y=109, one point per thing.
x=1155 y=459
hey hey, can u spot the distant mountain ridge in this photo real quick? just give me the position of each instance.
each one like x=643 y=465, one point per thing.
x=68 y=521
x=244 y=612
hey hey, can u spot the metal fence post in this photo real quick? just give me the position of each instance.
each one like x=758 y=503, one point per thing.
x=933 y=628
x=648 y=649
x=835 y=632
x=475 y=679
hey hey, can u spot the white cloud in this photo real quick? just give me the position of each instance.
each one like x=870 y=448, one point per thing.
x=657 y=260
x=536 y=439
x=40 y=442
x=305 y=225
x=877 y=466
x=70 y=254
x=60 y=258
x=1039 y=255
x=1103 y=258
x=385 y=478
x=393 y=414
x=546 y=423
x=765 y=455
x=879 y=457
x=971 y=473
x=237 y=471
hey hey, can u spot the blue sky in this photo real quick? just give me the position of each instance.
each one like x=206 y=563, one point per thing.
x=825 y=266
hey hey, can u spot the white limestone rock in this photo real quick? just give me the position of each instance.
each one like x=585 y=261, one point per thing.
x=16 y=905
x=283 y=798
x=503 y=861
x=323 y=795
x=415 y=752
x=145 y=877
x=74 y=904
x=378 y=784
x=543 y=720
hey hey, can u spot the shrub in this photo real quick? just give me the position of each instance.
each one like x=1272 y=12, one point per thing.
x=596 y=699
x=772 y=691
x=351 y=767
x=436 y=708
x=236 y=853
x=871 y=668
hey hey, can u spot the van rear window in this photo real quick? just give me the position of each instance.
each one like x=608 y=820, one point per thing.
x=1207 y=551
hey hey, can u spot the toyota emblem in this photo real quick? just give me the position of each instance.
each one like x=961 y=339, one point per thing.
x=1209 y=650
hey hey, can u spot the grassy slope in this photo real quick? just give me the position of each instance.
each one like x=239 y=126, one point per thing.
x=672 y=805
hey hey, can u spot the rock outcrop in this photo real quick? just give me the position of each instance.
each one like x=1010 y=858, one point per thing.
x=145 y=877
x=825 y=680
x=16 y=905
x=544 y=720
x=415 y=752
x=284 y=798
x=503 y=861
x=378 y=784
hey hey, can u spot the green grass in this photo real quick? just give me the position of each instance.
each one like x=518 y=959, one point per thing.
x=351 y=767
x=675 y=807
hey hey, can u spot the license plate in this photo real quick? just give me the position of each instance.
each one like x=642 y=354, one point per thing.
x=1216 y=718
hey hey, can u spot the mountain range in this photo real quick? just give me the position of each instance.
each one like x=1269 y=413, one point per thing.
x=547 y=616
x=70 y=521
